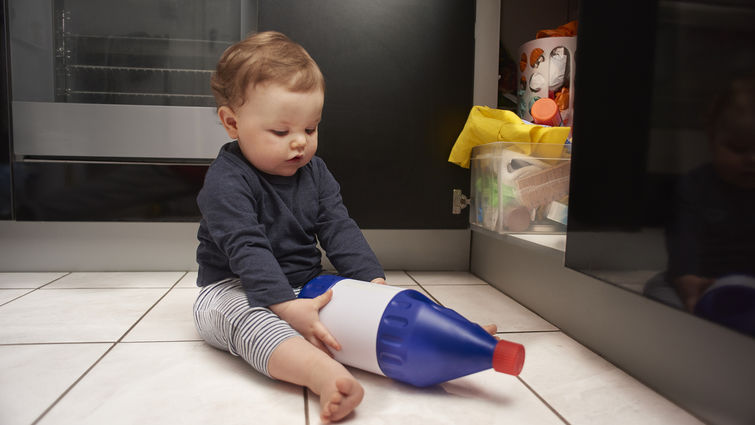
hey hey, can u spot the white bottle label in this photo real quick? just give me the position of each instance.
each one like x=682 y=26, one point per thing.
x=353 y=317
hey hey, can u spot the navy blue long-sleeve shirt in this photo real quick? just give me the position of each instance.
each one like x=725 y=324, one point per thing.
x=264 y=229
x=712 y=233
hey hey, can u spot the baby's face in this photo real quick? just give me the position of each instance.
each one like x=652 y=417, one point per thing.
x=733 y=152
x=277 y=128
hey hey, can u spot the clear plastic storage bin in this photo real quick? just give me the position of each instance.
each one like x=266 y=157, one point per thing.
x=520 y=187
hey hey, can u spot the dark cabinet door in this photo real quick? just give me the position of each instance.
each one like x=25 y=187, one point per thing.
x=5 y=136
x=399 y=77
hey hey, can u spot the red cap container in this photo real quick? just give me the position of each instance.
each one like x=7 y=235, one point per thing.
x=508 y=357
x=545 y=112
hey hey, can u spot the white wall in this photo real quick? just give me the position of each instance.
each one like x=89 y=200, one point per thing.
x=59 y=246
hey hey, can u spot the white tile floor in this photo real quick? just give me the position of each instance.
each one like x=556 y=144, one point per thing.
x=112 y=348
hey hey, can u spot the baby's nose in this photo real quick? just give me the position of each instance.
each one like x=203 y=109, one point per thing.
x=298 y=142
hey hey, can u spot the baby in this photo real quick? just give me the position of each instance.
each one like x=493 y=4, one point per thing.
x=712 y=231
x=266 y=202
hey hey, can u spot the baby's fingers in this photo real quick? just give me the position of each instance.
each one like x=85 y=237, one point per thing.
x=320 y=346
x=491 y=328
x=324 y=336
x=321 y=300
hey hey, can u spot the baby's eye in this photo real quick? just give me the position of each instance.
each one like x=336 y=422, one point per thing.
x=280 y=133
x=311 y=130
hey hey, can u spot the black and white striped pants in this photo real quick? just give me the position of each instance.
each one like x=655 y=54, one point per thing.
x=225 y=320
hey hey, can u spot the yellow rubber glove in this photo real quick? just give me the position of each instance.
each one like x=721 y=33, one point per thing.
x=488 y=125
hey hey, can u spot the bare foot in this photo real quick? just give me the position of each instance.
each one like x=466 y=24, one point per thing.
x=301 y=363
x=338 y=398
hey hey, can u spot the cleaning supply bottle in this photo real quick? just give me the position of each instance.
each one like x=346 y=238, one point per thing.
x=545 y=111
x=402 y=334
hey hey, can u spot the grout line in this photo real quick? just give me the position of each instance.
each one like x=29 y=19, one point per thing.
x=86 y=372
x=552 y=409
x=547 y=331
x=114 y=288
x=179 y=280
x=20 y=296
x=517 y=301
x=482 y=284
x=34 y=289
x=423 y=288
x=15 y=344
x=148 y=311
x=161 y=341
x=170 y=287
x=306 y=405
x=11 y=344
x=55 y=280
x=70 y=387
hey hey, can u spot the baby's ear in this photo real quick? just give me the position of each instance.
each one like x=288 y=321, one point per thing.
x=228 y=118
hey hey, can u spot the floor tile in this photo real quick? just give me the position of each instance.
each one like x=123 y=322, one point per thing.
x=6 y=295
x=177 y=383
x=74 y=315
x=32 y=377
x=170 y=320
x=188 y=281
x=420 y=290
x=586 y=389
x=398 y=278
x=446 y=278
x=27 y=280
x=82 y=280
x=484 y=304
x=488 y=398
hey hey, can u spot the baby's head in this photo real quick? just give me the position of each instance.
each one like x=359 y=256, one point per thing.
x=266 y=57
x=732 y=132
x=270 y=96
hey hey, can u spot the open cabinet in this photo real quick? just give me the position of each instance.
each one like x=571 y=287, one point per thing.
x=645 y=73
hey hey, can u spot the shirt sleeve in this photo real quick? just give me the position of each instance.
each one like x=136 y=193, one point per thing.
x=339 y=235
x=682 y=234
x=229 y=209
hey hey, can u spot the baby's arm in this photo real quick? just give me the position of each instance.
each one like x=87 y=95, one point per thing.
x=303 y=315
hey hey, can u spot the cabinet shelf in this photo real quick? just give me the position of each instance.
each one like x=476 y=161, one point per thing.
x=106 y=68
x=109 y=93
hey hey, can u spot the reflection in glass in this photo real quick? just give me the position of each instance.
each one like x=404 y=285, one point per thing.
x=703 y=132
x=139 y=52
x=662 y=201
x=69 y=191
x=711 y=263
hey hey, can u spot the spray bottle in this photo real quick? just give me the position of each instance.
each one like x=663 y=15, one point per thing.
x=402 y=334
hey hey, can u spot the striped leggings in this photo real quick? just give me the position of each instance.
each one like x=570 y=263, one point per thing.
x=224 y=320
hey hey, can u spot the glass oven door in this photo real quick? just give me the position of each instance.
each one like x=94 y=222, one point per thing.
x=119 y=79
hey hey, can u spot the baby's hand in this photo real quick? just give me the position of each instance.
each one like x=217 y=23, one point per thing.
x=303 y=315
x=379 y=281
x=691 y=288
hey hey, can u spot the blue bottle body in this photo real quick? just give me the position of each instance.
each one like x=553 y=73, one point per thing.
x=422 y=343
x=418 y=341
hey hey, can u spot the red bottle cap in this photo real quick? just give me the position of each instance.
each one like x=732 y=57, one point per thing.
x=508 y=357
x=545 y=111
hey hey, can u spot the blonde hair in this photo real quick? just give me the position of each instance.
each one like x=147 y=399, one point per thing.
x=266 y=57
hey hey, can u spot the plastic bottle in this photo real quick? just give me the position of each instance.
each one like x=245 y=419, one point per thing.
x=730 y=301
x=402 y=334
x=545 y=111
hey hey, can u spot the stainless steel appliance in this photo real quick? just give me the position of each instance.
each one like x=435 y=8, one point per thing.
x=119 y=80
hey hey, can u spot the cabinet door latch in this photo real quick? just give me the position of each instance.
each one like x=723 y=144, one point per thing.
x=460 y=201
